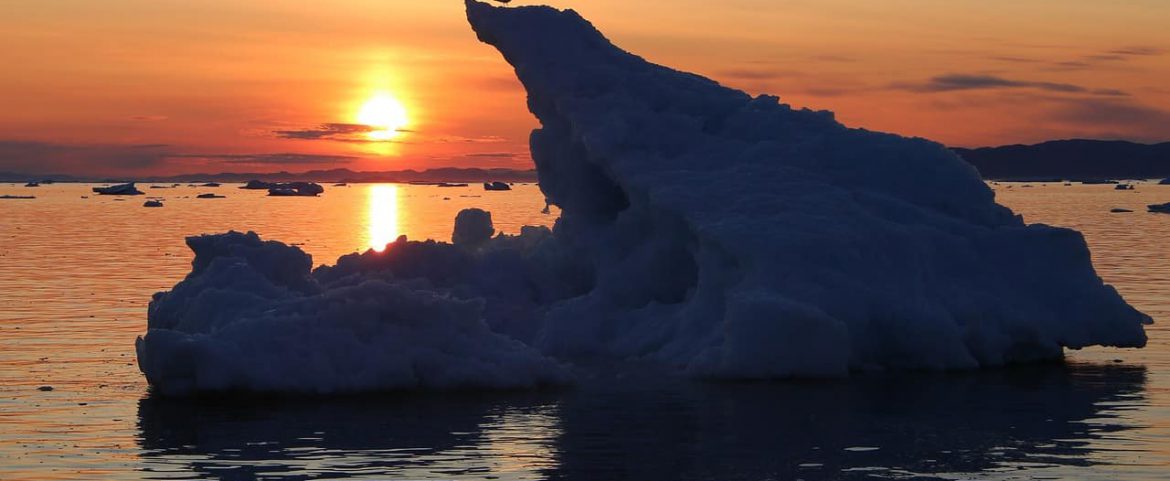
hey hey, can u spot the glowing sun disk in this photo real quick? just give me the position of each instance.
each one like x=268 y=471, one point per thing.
x=385 y=114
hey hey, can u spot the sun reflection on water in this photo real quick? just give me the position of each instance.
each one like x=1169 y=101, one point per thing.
x=383 y=216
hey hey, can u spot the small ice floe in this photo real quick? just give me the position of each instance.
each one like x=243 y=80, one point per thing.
x=120 y=189
x=1123 y=187
x=450 y=184
x=341 y=184
x=255 y=184
x=1119 y=210
x=153 y=203
x=496 y=186
x=45 y=388
x=210 y=184
x=1160 y=208
x=861 y=449
x=210 y=196
x=296 y=189
x=6 y=196
x=1165 y=181
x=33 y=184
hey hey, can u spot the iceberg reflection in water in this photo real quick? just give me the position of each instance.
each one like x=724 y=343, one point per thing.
x=922 y=426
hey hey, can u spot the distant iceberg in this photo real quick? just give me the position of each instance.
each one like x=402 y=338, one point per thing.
x=120 y=189
x=256 y=184
x=702 y=230
x=287 y=189
x=296 y=189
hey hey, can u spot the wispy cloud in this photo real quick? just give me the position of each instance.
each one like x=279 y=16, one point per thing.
x=110 y=159
x=495 y=155
x=833 y=58
x=1073 y=64
x=37 y=156
x=1061 y=116
x=457 y=139
x=766 y=76
x=1011 y=59
x=756 y=73
x=1138 y=51
x=278 y=158
x=330 y=131
x=1108 y=57
x=339 y=132
x=1118 y=114
x=1110 y=92
x=959 y=81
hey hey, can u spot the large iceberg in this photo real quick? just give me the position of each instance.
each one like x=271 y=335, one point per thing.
x=702 y=231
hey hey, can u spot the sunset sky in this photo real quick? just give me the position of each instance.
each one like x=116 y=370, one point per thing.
x=127 y=87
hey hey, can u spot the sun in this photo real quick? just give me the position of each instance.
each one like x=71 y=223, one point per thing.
x=385 y=114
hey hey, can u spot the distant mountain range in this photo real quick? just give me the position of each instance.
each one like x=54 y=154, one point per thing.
x=1056 y=160
x=1071 y=160
x=447 y=174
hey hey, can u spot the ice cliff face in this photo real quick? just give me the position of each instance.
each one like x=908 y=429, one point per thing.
x=739 y=237
x=702 y=230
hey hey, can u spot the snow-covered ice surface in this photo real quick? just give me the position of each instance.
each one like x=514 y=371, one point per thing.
x=250 y=316
x=702 y=231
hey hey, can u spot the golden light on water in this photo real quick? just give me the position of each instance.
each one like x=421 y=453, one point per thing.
x=383 y=216
x=385 y=114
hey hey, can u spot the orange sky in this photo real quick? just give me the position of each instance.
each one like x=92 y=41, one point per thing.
x=150 y=87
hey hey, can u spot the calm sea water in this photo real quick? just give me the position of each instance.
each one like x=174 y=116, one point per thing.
x=76 y=275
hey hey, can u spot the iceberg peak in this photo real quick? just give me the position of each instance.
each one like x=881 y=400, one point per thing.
x=741 y=237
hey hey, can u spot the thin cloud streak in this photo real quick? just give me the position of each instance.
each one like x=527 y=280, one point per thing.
x=50 y=157
x=959 y=82
x=277 y=158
